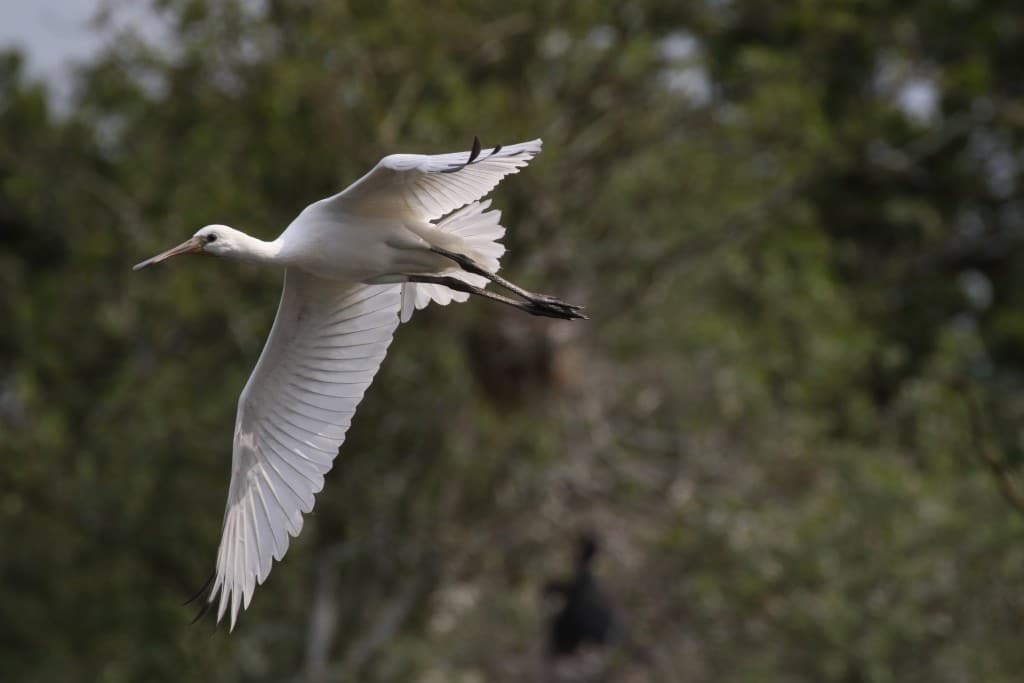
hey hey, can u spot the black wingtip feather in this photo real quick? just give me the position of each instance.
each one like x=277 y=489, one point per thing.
x=202 y=613
x=473 y=154
x=201 y=590
x=207 y=604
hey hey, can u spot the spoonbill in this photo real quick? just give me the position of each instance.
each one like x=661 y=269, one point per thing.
x=411 y=231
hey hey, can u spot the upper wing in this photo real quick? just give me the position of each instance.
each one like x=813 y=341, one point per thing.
x=327 y=342
x=425 y=187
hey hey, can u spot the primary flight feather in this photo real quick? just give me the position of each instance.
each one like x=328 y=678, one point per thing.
x=411 y=231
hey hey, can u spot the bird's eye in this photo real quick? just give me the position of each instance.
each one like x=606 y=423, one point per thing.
x=211 y=238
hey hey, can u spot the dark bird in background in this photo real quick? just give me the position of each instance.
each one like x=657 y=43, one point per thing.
x=586 y=619
x=586 y=616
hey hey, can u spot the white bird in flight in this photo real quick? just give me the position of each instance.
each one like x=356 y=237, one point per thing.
x=411 y=231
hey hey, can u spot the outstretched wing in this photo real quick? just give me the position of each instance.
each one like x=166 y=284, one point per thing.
x=425 y=187
x=327 y=342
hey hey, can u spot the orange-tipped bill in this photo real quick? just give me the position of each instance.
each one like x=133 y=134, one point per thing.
x=193 y=245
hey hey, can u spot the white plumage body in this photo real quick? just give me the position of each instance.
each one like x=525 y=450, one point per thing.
x=350 y=248
x=354 y=266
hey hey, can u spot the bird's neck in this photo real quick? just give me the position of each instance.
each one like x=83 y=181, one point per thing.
x=253 y=250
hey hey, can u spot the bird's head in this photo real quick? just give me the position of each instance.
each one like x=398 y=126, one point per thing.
x=586 y=547
x=215 y=240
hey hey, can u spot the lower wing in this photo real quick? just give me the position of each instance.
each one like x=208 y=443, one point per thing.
x=326 y=345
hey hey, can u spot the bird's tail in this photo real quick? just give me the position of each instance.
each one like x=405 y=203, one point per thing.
x=472 y=231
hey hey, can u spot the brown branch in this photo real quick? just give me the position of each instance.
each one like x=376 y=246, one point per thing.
x=390 y=617
x=1002 y=471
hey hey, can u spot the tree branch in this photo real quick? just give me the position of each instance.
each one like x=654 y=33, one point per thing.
x=1002 y=471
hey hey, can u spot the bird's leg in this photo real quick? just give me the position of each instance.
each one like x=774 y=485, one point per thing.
x=532 y=307
x=471 y=266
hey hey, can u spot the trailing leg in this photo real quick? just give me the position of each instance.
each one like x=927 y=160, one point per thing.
x=470 y=266
x=533 y=307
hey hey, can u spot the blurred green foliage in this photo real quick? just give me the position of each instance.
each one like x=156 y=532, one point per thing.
x=797 y=228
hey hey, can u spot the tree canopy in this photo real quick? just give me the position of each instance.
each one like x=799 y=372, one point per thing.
x=793 y=420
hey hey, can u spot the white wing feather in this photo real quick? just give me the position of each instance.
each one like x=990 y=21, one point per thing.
x=425 y=187
x=326 y=344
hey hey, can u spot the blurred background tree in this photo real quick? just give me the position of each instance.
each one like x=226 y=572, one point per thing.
x=799 y=231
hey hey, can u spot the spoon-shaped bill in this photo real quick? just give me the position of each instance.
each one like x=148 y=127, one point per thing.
x=193 y=245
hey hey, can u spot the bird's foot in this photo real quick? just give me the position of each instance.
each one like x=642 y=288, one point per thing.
x=550 y=307
x=554 y=301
